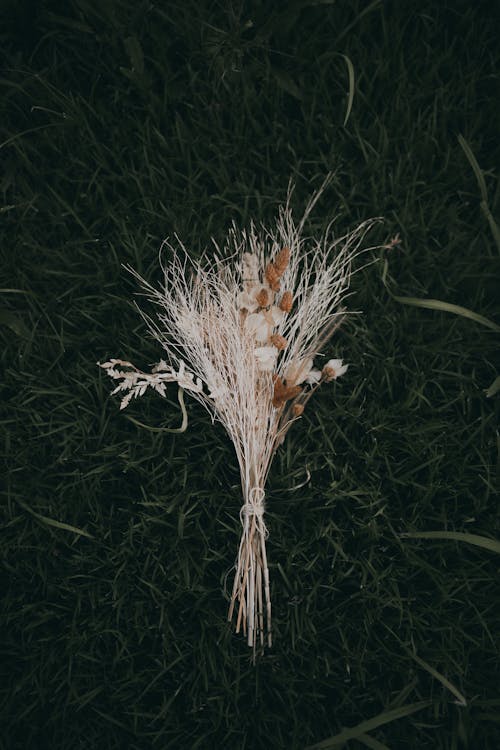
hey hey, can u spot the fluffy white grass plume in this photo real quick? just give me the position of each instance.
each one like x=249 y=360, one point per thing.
x=241 y=330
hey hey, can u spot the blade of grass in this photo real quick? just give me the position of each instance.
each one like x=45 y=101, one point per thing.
x=475 y=167
x=435 y=304
x=348 y=28
x=52 y=522
x=366 y=726
x=442 y=679
x=492 y=545
x=495 y=229
x=372 y=743
x=286 y=82
x=350 y=95
x=494 y=387
x=17 y=325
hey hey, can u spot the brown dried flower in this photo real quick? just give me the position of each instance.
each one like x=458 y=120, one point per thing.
x=286 y=302
x=298 y=409
x=262 y=298
x=282 y=260
x=279 y=342
x=272 y=277
x=283 y=392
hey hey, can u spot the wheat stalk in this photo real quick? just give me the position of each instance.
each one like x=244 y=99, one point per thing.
x=241 y=329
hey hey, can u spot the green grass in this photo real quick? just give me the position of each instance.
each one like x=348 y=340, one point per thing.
x=124 y=122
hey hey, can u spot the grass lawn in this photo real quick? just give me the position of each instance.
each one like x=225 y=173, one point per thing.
x=123 y=123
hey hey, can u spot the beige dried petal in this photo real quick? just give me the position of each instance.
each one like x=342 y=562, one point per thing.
x=250 y=270
x=333 y=369
x=246 y=301
x=313 y=377
x=298 y=372
x=266 y=358
x=275 y=316
x=257 y=325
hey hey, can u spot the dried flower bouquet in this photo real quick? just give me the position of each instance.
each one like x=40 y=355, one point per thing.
x=242 y=329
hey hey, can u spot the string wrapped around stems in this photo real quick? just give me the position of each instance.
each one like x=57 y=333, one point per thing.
x=252 y=572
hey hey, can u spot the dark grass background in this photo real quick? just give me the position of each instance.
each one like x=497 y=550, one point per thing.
x=123 y=122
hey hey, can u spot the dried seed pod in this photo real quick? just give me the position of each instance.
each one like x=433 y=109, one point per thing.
x=292 y=391
x=279 y=388
x=279 y=342
x=262 y=298
x=281 y=261
x=298 y=409
x=328 y=374
x=278 y=402
x=272 y=277
x=286 y=302
x=284 y=392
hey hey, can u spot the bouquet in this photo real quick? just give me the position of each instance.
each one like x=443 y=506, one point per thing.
x=243 y=330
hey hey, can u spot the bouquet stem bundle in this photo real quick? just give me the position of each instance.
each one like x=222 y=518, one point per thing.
x=251 y=582
x=241 y=330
